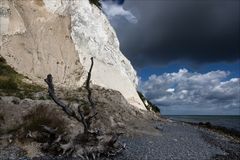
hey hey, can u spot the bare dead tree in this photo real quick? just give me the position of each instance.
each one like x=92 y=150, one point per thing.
x=65 y=108
x=104 y=144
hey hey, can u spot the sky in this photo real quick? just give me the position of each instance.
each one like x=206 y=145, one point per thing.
x=186 y=52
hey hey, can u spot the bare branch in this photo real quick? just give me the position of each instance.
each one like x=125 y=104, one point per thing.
x=88 y=85
x=49 y=129
x=88 y=118
x=114 y=139
x=51 y=91
x=86 y=127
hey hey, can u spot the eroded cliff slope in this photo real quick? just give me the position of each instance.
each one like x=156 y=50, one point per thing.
x=39 y=37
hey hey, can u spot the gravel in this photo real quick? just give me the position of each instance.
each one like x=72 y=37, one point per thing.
x=12 y=153
x=175 y=141
x=231 y=147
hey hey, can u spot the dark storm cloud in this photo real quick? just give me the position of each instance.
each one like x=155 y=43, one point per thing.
x=166 y=31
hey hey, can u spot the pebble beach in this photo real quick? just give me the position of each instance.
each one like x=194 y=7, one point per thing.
x=175 y=141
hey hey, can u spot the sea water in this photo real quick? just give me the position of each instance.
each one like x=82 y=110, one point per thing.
x=230 y=122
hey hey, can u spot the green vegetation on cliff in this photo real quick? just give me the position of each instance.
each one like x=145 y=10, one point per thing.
x=96 y=2
x=149 y=105
x=12 y=83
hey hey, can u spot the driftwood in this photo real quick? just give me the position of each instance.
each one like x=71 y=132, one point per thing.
x=87 y=145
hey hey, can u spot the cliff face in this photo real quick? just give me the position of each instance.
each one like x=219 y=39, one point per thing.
x=36 y=42
x=59 y=37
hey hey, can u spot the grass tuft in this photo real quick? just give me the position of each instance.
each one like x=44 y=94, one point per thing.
x=43 y=116
x=12 y=84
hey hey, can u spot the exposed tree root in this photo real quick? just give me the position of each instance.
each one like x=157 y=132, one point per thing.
x=89 y=144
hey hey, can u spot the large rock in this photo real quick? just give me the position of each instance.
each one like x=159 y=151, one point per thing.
x=59 y=37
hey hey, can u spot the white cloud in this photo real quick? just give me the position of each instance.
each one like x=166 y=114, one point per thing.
x=185 y=92
x=113 y=10
x=170 y=90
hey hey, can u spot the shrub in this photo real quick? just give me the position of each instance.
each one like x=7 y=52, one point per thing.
x=96 y=2
x=2 y=60
x=150 y=106
x=6 y=69
x=8 y=83
x=12 y=84
x=42 y=115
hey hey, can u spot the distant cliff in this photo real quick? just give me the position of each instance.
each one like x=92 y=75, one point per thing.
x=39 y=37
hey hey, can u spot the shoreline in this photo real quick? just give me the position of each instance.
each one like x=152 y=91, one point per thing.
x=229 y=135
x=231 y=132
x=180 y=140
x=175 y=140
x=219 y=129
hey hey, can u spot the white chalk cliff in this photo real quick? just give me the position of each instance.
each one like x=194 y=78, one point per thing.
x=38 y=37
